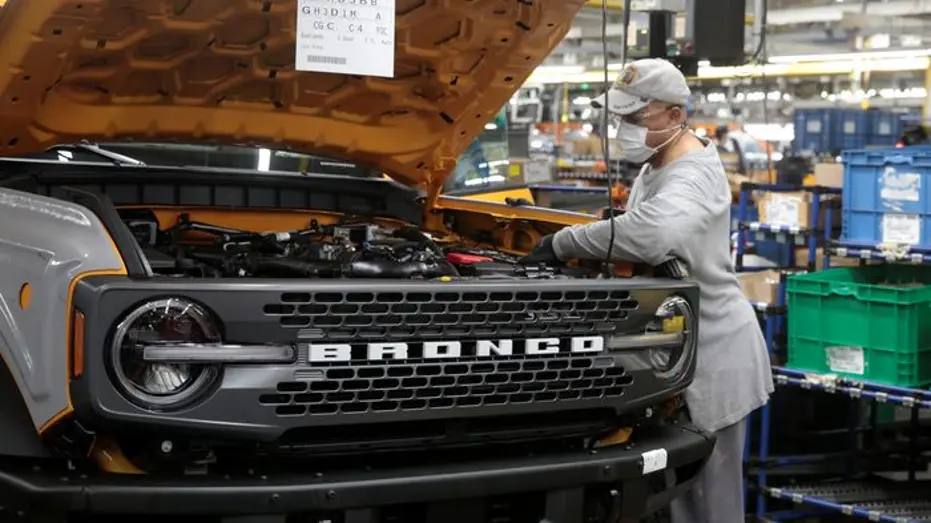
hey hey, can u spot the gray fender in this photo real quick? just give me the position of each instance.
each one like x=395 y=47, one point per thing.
x=49 y=244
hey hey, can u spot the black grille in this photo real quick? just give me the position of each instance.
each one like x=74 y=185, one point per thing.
x=462 y=384
x=451 y=314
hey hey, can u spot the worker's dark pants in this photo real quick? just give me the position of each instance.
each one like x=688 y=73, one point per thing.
x=717 y=495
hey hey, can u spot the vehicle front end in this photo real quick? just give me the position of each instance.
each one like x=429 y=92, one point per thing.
x=259 y=345
x=489 y=389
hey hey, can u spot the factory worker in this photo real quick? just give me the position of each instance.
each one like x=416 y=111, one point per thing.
x=679 y=207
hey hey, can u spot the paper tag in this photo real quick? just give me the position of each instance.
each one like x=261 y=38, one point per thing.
x=783 y=210
x=813 y=126
x=884 y=128
x=346 y=37
x=654 y=460
x=901 y=229
x=537 y=171
x=644 y=5
x=850 y=127
x=894 y=185
x=846 y=359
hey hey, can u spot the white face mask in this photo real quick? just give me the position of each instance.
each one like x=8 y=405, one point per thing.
x=632 y=141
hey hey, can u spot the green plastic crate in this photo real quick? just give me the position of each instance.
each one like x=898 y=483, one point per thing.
x=868 y=323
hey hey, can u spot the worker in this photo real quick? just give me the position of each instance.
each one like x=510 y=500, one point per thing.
x=679 y=208
x=722 y=138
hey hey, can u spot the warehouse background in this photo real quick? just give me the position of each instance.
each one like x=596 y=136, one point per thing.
x=824 y=104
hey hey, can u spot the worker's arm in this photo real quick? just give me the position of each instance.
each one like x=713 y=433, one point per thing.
x=652 y=232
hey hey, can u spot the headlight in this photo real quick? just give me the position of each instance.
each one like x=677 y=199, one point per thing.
x=673 y=319
x=161 y=385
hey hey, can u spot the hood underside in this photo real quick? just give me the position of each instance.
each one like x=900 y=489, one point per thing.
x=223 y=71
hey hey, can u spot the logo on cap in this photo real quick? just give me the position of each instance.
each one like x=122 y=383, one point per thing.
x=628 y=76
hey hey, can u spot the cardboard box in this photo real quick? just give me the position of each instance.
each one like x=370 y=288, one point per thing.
x=829 y=175
x=793 y=209
x=760 y=286
x=801 y=260
x=585 y=146
x=788 y=209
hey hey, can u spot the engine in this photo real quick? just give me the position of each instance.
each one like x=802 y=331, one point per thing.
x=347 y=249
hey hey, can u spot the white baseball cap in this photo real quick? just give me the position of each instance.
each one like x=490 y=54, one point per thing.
x=643 y=81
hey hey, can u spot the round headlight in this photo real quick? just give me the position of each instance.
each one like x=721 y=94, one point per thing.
x=156 y=385
x=673 y=317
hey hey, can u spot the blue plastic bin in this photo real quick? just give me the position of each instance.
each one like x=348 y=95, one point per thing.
x=851 y=128
x=885 y=128
x=887 y=197
x=813 y=131
x=885 y=124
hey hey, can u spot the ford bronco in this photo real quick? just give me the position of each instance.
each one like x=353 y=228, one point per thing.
x=277 y=345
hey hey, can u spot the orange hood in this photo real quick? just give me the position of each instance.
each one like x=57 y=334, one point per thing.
x=223 y=71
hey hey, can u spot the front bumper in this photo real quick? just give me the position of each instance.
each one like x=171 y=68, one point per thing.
x=564 y=482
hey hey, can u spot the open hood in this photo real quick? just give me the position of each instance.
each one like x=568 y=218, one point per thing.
x=223 y=71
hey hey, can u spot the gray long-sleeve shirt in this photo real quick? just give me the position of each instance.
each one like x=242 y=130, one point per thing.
x=683 y=211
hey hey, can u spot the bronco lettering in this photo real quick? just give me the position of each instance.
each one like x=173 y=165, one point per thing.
x=437 y=350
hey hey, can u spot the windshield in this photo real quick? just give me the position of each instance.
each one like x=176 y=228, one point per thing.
x=209 y=156
x=484 y=164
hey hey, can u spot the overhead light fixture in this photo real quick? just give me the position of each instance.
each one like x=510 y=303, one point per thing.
x=866 y=55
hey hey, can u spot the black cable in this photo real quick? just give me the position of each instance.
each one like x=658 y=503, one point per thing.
x=605 y=116
x=762 y=57
x=761 y=46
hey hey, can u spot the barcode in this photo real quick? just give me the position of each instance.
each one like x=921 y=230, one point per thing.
x=332 y=60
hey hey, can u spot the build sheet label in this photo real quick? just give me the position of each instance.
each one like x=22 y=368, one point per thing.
x=901 y=229
x=354 y=37
x=848 y=360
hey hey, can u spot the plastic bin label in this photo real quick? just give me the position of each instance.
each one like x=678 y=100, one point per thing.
x=898 y=187
x=349 y=37
x=813 y=126
x=885 y=128
x=848 y=360
x=654 y=461
x=850 y=127
x=901 y=229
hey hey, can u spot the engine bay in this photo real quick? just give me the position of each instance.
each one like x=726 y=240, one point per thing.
x=349 y=248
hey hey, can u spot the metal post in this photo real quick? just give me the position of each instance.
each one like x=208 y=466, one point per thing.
x=659 y=33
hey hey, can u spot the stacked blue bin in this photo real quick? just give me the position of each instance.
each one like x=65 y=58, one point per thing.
x=851 y=128
x=813 y=131
x=887 y=197
x=824 y=131
x=885 y=129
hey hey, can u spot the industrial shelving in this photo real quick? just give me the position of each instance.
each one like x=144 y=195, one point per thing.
x=885 y=502
x=861 y=253
x=863 y=494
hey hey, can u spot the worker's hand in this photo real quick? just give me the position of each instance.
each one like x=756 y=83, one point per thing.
x=542 y=253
